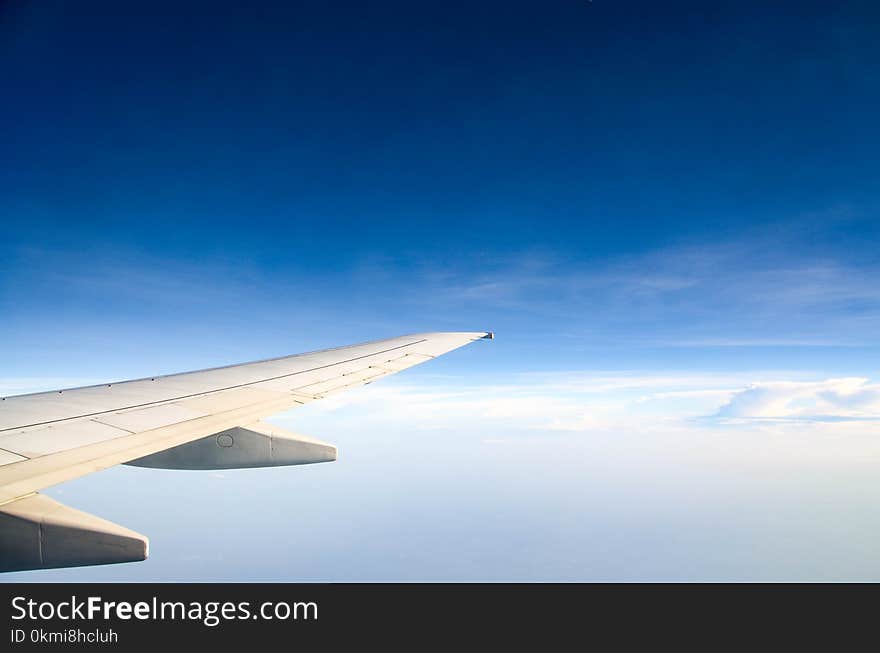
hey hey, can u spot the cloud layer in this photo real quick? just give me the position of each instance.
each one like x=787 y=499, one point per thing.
x=581 y=402
x=597 y=402
x=829 y=400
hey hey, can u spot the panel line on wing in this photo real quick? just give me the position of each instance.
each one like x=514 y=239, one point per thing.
x=197 y=394
x=8 y=457
x=356 y=377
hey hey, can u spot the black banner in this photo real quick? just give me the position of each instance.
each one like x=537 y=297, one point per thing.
x=135 y=615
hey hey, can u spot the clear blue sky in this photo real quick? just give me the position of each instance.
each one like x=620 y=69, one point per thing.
x=667 y=211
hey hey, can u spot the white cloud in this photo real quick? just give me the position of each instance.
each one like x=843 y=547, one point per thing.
x=534 y=402
x=602 y=403
x=828 y=400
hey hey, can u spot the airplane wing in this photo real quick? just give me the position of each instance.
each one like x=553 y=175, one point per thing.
x=207 y=419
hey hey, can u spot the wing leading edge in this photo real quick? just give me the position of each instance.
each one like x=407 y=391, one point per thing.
x=207 y=419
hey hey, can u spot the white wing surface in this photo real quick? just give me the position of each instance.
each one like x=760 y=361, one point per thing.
x=196 y=420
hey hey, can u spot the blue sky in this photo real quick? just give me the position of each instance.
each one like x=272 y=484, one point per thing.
x=666 y=211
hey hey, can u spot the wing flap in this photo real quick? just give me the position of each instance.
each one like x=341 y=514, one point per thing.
x=338 y=382
x=220 y=401
x=145 y=419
